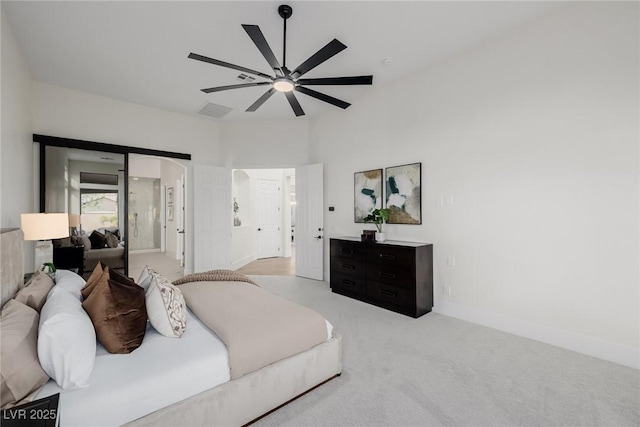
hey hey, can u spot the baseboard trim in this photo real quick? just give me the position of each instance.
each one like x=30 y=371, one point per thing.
x=595 y=347
x=242 y=262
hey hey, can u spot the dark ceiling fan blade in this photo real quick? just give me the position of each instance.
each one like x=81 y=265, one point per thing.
x=356 y=80
x=262 y=45
x=221 y=88
x=295 y=105
x=261 y=100
x=332 y=48
x=228 y=65
x=323 y=97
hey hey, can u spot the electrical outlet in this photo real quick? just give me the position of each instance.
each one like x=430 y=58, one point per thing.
x=446 y=289
x=451 y=261
x=440 y=200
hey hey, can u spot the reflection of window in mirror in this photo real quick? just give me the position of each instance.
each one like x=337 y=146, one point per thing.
x=90 y=183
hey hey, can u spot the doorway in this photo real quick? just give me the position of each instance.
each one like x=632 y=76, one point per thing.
x=264 y=221
x=156 y=215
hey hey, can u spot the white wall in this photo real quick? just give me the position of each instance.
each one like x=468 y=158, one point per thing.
x=72 y=114
x=16 y=148
x=144 y=167
x=270 y=144
x=535 y=137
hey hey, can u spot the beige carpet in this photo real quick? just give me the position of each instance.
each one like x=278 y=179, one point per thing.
x=441 y=371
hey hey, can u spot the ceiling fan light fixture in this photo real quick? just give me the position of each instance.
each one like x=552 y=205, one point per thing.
x=283 y=85
x=286 y=81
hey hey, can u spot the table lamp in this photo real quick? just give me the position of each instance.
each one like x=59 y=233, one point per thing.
x=43 y=227
x=74 y=224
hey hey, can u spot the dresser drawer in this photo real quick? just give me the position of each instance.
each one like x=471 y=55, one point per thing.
x=391 y=255
x=348 y=266
x=344 y=283
x=390 y=294
x=347 y=249
x=390 y=274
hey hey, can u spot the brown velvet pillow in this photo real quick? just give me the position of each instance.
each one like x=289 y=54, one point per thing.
x=118 y=313
x=34 y=294
x=92 y=281
x=119 y=277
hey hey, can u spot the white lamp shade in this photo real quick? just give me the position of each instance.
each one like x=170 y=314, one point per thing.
x=74 y=220
x=44 y=226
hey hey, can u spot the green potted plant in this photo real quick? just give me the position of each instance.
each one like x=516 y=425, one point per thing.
x=50 y=269
x=378 y=217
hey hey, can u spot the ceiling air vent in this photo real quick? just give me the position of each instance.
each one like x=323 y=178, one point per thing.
x=245 y=78
x=214 y=110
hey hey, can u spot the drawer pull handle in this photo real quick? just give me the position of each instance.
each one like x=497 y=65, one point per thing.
x=386 y=275
x=346 y=251
x=349 y=266
x=387 y=256
x=348 y=282
x=386 y=293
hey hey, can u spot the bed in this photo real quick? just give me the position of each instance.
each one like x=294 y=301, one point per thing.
x=133 y=389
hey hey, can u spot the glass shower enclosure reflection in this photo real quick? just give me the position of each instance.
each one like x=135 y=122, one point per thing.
x=144 y=213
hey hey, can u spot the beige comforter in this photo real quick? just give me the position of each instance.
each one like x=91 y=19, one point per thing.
x=258 y=328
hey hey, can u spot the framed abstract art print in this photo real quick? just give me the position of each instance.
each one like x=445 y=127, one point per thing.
x=367 y=193
x=403 y=189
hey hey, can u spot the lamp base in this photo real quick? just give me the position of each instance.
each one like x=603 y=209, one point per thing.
x=44 y=253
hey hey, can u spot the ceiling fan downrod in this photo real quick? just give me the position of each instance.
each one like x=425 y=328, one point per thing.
x=285 y=11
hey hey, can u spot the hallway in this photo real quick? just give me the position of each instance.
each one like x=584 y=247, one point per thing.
x=271 y=266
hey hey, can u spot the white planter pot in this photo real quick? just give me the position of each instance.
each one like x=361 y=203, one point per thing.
x=380 y=237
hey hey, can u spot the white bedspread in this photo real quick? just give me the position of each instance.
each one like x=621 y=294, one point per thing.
x=162 y=371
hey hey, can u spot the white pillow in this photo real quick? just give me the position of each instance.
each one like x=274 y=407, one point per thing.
x=69 y=281
x=145 y=278
x=66 y=340
x=166 y=308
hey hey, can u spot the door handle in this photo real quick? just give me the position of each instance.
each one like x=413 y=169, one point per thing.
x=180 y=231
x=318 y=237
x=259 y=229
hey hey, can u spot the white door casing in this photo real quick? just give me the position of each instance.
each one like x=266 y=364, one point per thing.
x=163 y=218
x=309 y=221
x=180 y=212
x=268 y=218
x=211 y=217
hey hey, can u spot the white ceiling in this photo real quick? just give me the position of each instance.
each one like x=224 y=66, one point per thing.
x=137 y=51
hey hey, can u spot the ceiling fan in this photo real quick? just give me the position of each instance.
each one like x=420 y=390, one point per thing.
x=284 y=80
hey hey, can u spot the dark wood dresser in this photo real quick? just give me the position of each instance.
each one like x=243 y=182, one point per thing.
x=394 y=275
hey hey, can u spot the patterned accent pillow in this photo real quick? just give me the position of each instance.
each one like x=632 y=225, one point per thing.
x=166 y=308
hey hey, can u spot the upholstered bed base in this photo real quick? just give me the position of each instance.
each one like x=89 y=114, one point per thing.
x=242 y=400
x=12 y=262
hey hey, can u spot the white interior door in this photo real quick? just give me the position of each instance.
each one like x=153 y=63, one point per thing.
x=309 y=222
x=268 y=218
x=212 y=218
